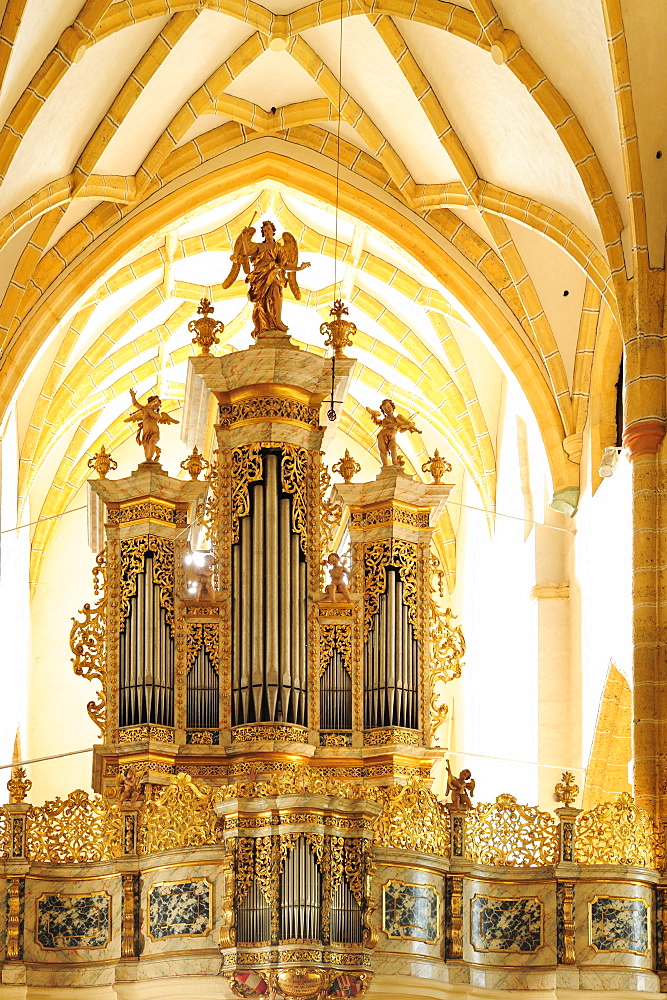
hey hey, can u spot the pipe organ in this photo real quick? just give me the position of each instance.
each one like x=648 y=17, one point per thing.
x=225 y=657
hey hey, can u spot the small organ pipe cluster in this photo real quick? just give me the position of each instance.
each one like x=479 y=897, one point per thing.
x=259 y=670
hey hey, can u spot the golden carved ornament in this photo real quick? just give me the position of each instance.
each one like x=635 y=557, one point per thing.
x=205 y=329
x=567 y=789
x=102 y=463
x=447 y=647
x=507 y=833
x=294 y=478
x=377 y=556
x=301 y=984
x=132 y=561
x=437 y=466
x=181 y=815
x=619 y=833
x=338 y=331
x=296 y=780
x=247 y=467
x=80 y=828
x=346 y=467
x=330 y=513
x=208 y=512
x=18 y=785
x=88 y=639
x=194 y=464
x=14 y=918
x=334 y=636
x=412 y=819
x=206 y=634
x=269 y=408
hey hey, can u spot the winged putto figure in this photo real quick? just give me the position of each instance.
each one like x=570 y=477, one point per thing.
x=148 y=417
x=390 y=423
x=269 y=267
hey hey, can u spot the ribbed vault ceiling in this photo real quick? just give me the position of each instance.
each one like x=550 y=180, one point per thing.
x=488 y=216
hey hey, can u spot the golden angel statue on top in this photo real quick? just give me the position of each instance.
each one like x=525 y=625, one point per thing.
x=269 y=267
x=148 y=417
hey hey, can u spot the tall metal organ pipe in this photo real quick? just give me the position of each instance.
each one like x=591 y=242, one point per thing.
x=146 y=653
x=269 y=607
x=391 y=662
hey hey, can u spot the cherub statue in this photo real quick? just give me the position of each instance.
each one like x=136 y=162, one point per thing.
x=338 y=579
x=459 y=787
x=130 y=791
x=390 y=423
x=269 y=267
x=149 y=417
x=203 y=575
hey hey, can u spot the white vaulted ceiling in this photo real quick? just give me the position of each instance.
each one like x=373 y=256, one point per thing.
x=480 y=169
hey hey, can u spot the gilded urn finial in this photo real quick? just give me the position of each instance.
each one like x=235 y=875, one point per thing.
x=102 y=463
x=346 y=467
x=205 y=329
x=194 y=464
x=338 y=331
x=437 y=466
x=566 y=790
x=18 y=785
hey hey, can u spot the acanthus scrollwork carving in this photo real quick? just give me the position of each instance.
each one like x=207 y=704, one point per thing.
x=208 y=512
x=88 y=641
x=338 y=637
x=330 y=514
x=132 y=561
x=294 y=479
x=80 y=828
x=377 y=556
x=181 y=815
x=505 y=832
x=618 y=833
x=198 y=634
x=412 y=819
x=246 y=467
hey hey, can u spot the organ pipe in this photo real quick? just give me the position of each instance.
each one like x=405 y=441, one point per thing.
x=391 y=660
x=146 y=652
x=269 y=608
x=202 y=694
x=335 y=695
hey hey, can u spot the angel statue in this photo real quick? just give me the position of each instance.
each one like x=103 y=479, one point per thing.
x=269 y=266
x=459 y=787
x=148 y=417
x=390 y=423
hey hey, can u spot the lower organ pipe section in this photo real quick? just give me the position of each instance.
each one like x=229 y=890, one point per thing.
x=202 y=694
x=301 y=894
x=391 y=662
x=345 y=919
x=253 y=918
x=335 y=695
x=146 y=668
x=269 y=608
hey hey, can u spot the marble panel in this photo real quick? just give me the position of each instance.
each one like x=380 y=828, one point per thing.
x=411 y=911
x=74 y=921
x=508 y=925
x=179 y=909
x=618 y=924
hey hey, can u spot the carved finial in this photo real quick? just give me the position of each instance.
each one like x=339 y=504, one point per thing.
x=338 y=331
x=194 y=464
x=566 y=790
x=437 y=466
x=205 y=329
x=18 y=785
x=102 y=463
x=346 y=467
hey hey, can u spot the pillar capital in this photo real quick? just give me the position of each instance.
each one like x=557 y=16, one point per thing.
x=643 y=437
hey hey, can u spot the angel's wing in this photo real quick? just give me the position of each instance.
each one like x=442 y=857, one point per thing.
x=164 y=418
x=471 y=786
x=239 y=258
x=137 y=415
x=289 y=257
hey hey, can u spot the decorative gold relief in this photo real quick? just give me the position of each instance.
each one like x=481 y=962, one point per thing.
x=132 y=560
x=269 y=408
x=146 y=510
x=246 y=468
x=330 y=512
x=88 y=643
x=455 y=923
x=507 y=833
x=294 y=478
x=389 y=514
x=377 y=556
x=412 y=819
x=14 y=919
x=198 y=634
x=194 y=464
x=137 y=734
x=79 y=828
x=619 y=833
x=205 y=329
x=382 y=737
x=568 y=956
x=447 y=647
x=339 y=637
x=181 y=815
x=272 y=731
